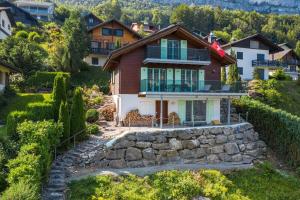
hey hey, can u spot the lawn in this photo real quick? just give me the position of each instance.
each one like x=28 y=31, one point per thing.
x=260 y=183
x=20 y=102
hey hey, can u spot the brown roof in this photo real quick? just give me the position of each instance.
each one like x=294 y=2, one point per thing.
x=12 y=68
x=9 y=14
x=273 y=47
x=226 y=60
x=281 y=54
x=118 y=22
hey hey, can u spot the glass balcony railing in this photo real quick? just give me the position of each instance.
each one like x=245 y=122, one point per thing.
x=187 y=54
x=102 y=51
x=147 y=85
x=268 y=63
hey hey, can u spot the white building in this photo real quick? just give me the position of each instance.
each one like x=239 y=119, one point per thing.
x=6 y=23
x=254 y=52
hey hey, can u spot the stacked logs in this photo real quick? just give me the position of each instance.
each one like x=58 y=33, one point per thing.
x=173 y=118
x=107 y=112
x=134 y=118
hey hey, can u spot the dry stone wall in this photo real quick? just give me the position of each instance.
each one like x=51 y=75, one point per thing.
x=236 y=143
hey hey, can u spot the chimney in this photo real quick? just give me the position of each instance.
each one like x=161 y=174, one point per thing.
x=211 y=37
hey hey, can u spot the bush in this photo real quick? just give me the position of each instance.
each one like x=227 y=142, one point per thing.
x=92 y=129
x=279 y=129
x=22 y=190
x=77 y=113
x=92 y=97
x=64 y=118
x=12 y=120
x=280 y=75
x=92 y=115
x=40 y=110
x=59 y=94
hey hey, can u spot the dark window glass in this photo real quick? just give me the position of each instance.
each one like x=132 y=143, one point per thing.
x=188 y=114
x=240 y=70
x=239 y=55
x=118 y=32
x=3 y=23
x=260 y=56
x=199 y=109
x=293 y=68
x=106 y=31
x=95 y=61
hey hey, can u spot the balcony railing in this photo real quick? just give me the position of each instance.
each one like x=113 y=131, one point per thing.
x=148 y=85
x=187 y=54
x=103 y=51
x=269 y=63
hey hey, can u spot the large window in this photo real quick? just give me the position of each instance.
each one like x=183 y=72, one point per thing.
x=261 y=57
x=173 y=49
x=118 y=32
x=195 y=111
x=239 y=55
x=106 y=31
x=110 y=32
x=189 y=80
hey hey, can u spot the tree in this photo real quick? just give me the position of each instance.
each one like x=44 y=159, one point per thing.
x=256 y=74
x=77 y=41
x=233 y=74
x=64 y=118
x=111 y=9
x=156 y=17
x=182 y=15
x=58 y=93
x=223 y=74
x=297 y=49
x=77 y=113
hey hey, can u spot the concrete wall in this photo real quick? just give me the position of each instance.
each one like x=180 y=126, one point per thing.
x=101 y=59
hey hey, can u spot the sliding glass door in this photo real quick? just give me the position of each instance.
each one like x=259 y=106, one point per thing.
x=195 y=111
x=157 y=79
x=174 y=49
x=189 y=80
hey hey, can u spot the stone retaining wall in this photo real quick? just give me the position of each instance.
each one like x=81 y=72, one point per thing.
x=236 y=143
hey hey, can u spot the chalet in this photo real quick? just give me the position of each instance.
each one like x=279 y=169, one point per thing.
x=6 y=23
x=91 y=20
x=254 y=52
x=106 y=37
x=144 y=26
x=5 y=71
x=291 y=60
x=169 y=71
x=19 y=14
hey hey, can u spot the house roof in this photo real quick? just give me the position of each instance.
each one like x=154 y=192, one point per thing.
x=273 y=47
x=118 y=22
x=160 y=34
x=12 y=68
x=281 y=54
x=9 y=15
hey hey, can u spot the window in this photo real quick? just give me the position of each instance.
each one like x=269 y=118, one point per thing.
x=260 y=57
x=8 y=27
x=239 y=55
x=118 y=32
x=95 y=61
x=254 y=44
x=91 y=20
x=240 y=69
x=106 y=31
x=3 y=23
x=195 y=111
x=293 y=68
x=173 y=49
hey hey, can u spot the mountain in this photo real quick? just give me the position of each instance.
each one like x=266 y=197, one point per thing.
x=263 y=6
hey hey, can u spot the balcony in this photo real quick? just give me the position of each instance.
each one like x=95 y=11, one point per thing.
x=188 y=56
x=184 y=87
x=102 y=51
x=269 y=63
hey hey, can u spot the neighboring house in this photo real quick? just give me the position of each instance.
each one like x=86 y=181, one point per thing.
x=171 y=70
x=6 y=23
x=91 y=20
x=106 y=37
x=40 y=10
x=147 y=28
x=291 y=60
x=19 y=14
x=254 y=52
x=5 y=70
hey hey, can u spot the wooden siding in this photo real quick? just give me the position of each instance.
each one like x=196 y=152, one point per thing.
x=246 y=44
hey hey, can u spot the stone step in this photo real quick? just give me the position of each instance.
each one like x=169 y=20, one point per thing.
x=60 y=172
x=50 y=188
x=56 y=176
x=56 y=196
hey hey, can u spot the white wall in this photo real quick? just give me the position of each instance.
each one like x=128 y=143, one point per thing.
x=101 y=59
x=248 y=56
x=3 y=16
x=2 y=81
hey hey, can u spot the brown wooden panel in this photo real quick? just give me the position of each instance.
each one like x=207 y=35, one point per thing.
x=165 y=111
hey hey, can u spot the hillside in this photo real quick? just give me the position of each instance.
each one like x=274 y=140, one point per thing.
x=263 y=6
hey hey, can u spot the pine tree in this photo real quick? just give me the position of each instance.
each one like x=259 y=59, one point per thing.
x=58 y=93
x=256 y=74
x=233 y=72
x=223 y=74
x=64 y=118
x=77 y=113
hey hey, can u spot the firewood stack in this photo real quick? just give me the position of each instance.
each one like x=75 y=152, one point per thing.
x=173 y=116
x=107 y=112
x=134 y=118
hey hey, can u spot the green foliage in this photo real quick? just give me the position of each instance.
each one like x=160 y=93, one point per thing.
x=12 y=120
x=77 y=113
x=233 y=73
x=58 y=93
x=92 y=129
x=284 y=138
x=223 y=75
x=256 y=74
x=22 y=190
x=280 y=75
x=108 y=10
x=297 y=49
x=34 y=37
x=22 y=34
x=64 y=118
x=92 y=115
x=40 y=110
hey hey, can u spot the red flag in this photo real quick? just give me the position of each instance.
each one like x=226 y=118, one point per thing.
x=217 y=47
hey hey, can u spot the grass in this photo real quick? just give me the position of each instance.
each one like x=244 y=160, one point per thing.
x=20 y=102
x=260 y=183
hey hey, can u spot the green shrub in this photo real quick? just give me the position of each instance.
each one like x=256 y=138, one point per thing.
x=64 y=118
x=280 y=75
x=40 y=110
x=58 y=94
x=22 y=190
x=92 y=115
x=77 y=113
x=92 y=129
x=12 y=120
x=279 y=129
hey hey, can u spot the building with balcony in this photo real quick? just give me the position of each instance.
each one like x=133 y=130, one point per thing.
x=40 y=10
x=6 y=23
x=254 y=52
x=170 y=71
x=106 y=37
x=90 y=19
x=5 y=71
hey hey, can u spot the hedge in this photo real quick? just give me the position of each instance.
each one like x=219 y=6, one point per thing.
x=278 y=128
x=40 y=110
x=43 y=80
x=13 y=118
